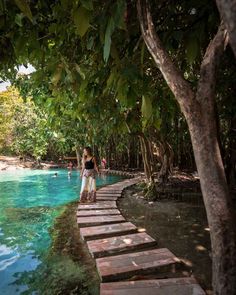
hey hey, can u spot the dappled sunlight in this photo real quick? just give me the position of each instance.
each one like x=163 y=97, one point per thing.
x=200 y=248
x=186 y=261
x=141 y=230
x=128 y=241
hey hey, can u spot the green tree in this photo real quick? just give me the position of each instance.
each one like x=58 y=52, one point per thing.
x=9 y=101
x=30 y=131
x=89 y=53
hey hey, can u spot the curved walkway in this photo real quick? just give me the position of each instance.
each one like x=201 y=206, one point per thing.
x=128 y=260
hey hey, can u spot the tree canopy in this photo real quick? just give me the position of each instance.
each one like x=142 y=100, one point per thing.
x=153 y=81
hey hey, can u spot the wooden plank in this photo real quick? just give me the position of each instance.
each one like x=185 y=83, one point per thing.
x=109 y=191
x=101 y=198
x=96 y=220
x=176 y=286
x=138 y=263
x=108 y=194
x=98 y=212
x=103 y=231
x=98 y=205
x=124 y=243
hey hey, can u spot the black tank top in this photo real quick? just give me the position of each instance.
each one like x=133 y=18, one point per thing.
x=89 y=164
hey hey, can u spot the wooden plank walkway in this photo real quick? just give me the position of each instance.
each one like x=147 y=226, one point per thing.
x=98 y=205
x=176 y=286
x=96 y=220
x=83 y=213
x=108 y=194
x=110 y=191
x=139 y=263
x=108 y=246
x=106 y=198
x=122 y=251
x=104 y=231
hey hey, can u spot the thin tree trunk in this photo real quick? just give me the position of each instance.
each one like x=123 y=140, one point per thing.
x=78 y=157
x=198 y=109
x=146 y=159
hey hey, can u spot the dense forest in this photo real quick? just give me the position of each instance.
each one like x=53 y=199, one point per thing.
x=149 y=85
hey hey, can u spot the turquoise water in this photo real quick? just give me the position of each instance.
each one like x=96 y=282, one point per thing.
x=30 y=200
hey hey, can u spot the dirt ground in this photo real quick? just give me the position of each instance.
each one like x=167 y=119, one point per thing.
x=15 y=163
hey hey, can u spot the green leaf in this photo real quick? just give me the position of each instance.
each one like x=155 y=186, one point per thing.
x=157 y=123
x=88 y=4
x=18 y=19
x=81 y=17
x=107 y=45
x=24 y=7
x=146 y=108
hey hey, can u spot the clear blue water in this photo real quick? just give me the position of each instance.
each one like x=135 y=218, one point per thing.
x=30 y=200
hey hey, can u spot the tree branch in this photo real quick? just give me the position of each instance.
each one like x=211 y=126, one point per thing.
x=227 y=9
x=174 y=78
x=209 y=65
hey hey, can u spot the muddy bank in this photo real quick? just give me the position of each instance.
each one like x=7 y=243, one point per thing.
x=68 y=245
x=67 y=268
x=177 y=222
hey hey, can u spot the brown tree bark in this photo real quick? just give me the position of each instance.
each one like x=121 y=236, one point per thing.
x=227 y=9
x=198 y=109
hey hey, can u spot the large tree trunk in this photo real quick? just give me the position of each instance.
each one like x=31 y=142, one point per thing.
x=227 y=9
x=198 y=109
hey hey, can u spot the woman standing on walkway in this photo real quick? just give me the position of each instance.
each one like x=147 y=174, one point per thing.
x=88 y=175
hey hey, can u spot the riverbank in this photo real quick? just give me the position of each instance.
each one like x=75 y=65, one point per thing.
x=67 y=244
x=15 y=163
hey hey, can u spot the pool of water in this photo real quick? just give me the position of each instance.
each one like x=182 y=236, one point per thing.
x=30 y=200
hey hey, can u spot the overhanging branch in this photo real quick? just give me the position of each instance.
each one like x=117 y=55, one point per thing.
x=227 y=9
x=209 y=65
x=174 y=78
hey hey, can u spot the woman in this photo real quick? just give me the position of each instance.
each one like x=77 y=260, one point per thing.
x=88 y=175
